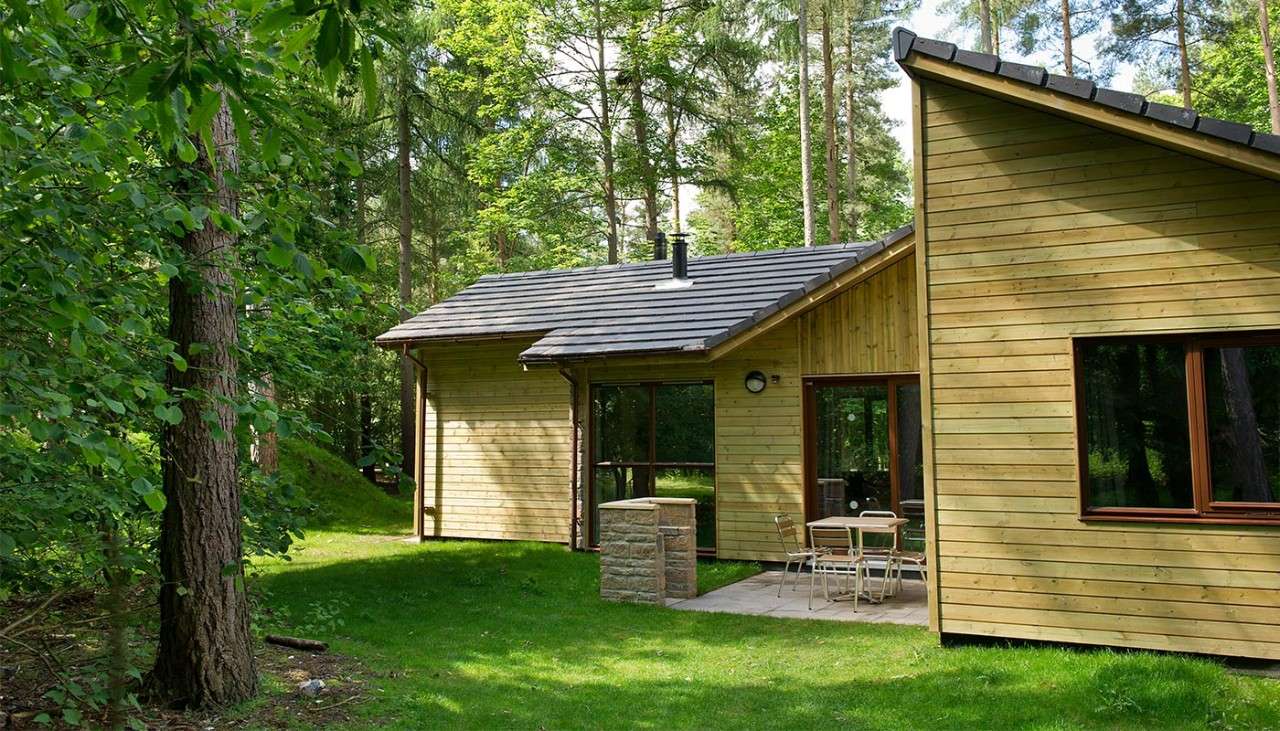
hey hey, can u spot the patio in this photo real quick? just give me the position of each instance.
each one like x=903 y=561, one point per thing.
x=759 y=595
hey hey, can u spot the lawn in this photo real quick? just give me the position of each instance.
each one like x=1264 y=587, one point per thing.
x=478 y=635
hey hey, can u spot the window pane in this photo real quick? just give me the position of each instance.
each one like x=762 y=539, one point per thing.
x=1242 y=398
x=852 y=429
x=686 y=423
x=698 y=483
x=910 y=465
x=1136 y=434
x=617 y=483
x=621 y=419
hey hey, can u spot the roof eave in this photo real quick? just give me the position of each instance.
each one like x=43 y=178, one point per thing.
x=1173 y=128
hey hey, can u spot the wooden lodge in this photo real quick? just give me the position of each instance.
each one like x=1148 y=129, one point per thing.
x=1066 y=374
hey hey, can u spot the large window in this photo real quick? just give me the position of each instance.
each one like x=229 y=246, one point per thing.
x=654 y=440
x=1180 y=427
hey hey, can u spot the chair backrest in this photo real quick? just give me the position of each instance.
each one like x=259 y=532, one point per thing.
x=837 y=540
x=787 y=533
x=885 y=531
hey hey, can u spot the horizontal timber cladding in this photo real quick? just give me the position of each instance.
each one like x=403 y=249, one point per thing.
x=1038 y=230
x=497 y=447
x=872 y=328
x=759 y=458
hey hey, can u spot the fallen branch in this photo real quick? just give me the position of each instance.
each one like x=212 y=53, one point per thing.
x=333 y=705
x=297 y=643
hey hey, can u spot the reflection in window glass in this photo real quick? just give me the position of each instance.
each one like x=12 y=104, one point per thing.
x=685 y=431
x=852 y=430
x=1242 y=399
x=698 y=483
x=910 y=465
x=1136 y=433
x=621 y=421
x=618 y=483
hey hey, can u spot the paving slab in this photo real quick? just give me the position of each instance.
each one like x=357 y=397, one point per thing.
x=758 y=595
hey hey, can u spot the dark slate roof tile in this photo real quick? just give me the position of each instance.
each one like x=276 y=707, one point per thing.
x=902 y=40
x=1122 y=100
x=1270 y=143
x=980 y=61
x=618 y=309
x=1082 y=88
x=1170 y=114
x=1033 y=75
x=1233 y=131
x=937 y=49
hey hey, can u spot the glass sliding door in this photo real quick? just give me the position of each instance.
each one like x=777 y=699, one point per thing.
x=654 y=440
x=865 y=451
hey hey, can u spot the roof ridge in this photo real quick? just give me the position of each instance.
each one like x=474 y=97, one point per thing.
x=905 y=42
x=822 y=249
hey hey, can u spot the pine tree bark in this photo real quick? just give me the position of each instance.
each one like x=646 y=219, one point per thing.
x=1184 y=61
x=829 y=127
x=984 y=21
x=1250 y=470
x=806 y=162
x=1068 y=59
x=850 y=137
x=648 y=179
x=266 y=448
x=673 y=162
x=1269 y=62
x=205 y=655
x=606 y=138
x=407 y=402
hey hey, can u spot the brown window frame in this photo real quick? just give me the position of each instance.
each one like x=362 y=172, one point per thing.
x=652 y=463
x=1204 y=508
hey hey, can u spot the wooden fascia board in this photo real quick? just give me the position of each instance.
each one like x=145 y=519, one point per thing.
x=891 y=255
x=1142 y=128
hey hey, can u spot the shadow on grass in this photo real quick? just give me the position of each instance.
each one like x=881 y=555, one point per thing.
x=509 y=634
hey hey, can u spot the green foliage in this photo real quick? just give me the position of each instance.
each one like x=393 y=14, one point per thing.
x=1231 y=81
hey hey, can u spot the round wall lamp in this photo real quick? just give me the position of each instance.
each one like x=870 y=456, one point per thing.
x=756 y=382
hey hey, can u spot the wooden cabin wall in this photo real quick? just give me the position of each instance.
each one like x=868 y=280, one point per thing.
x=872 y=328
x=1038 y=229
x=497 y=447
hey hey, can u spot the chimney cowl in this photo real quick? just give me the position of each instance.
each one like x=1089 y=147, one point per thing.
x=679 y=264
x=659 y=246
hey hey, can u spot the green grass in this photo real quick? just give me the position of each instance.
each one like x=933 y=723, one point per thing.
x=345 y=501
x=479 y=635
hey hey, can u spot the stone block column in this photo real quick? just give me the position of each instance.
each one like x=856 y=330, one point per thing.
x=648 y=550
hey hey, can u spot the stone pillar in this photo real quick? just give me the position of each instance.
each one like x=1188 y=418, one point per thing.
x=648 y=550
x=677 y=524
x=631 y=553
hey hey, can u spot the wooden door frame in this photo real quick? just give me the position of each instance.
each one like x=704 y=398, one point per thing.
x=809 y=384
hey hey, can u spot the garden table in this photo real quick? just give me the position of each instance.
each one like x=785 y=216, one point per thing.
x=877 y=524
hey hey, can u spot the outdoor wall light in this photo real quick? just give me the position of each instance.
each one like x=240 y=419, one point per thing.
x=756 y=382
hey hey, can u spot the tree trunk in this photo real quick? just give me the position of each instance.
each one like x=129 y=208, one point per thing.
x=984 y=21
x=850 y=138
x=366 y=438
x=1269 y=61
x=1068 y=60
x=648 y=180
x=205 y=653
x=829 y=127
x=606 y=138
x=407 y=405
x=1184 y=62
x=806 y=163
x=1247 y=463
x=673 y=153
x=266 y=451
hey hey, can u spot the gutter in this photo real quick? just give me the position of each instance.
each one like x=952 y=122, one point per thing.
x=573 y=460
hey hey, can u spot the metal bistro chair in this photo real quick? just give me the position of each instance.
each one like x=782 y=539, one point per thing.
x=892 y=554
x=843 y=558
x=795 y=551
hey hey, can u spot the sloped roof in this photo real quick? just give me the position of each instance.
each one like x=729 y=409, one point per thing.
x=905 y=43
x=618 y=309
